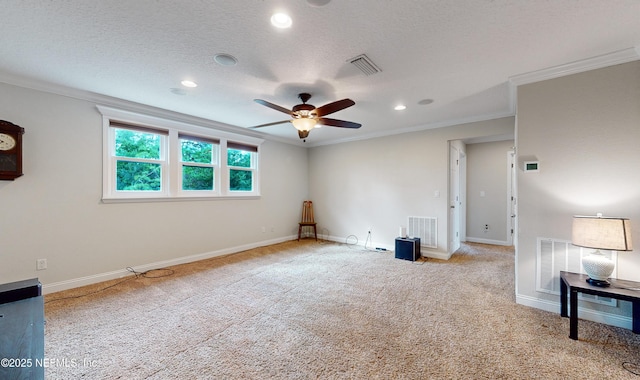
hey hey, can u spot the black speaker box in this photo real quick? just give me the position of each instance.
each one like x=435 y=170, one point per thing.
x=408 y=248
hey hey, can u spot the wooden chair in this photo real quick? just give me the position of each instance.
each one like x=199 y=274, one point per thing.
x=307 y=219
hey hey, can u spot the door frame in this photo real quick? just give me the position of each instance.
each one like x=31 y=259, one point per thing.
x=456 y=204
x=512 y=204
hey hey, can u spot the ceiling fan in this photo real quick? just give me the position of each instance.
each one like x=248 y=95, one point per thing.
x=305 y=116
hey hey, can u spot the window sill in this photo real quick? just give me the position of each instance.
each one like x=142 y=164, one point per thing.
x=178 y=199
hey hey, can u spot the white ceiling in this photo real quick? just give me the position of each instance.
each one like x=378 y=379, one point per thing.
x=460 y=53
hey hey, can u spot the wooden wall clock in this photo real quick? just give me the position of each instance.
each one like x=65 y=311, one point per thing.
x=10 y=150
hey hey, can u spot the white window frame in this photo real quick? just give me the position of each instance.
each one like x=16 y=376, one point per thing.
x=171 y=188
x=253 y=168
x=162 y=161
x=215 y=164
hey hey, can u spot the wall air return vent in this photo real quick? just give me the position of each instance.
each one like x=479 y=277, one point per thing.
x=555 y=255
x=425 y=228
x=365 y=64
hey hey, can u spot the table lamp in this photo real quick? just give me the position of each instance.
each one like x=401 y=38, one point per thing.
x=600 y=232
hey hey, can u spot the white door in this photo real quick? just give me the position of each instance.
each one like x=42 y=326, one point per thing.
x=511 y=195
x=462 y=192
x=454 y=199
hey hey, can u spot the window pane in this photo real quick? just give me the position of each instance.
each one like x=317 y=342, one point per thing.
x=240 y=180
x=240 y=158
x=196 y=151
x=137 y=144
x=197 y=178
x=138 y=176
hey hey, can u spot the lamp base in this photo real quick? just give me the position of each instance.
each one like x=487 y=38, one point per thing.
x=598 y=267
x=601 y=283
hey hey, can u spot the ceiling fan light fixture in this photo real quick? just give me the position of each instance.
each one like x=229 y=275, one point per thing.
x=304 y=123
x=306 y=117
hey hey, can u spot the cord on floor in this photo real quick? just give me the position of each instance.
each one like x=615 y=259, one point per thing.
x=631 y=367
x=164 y=272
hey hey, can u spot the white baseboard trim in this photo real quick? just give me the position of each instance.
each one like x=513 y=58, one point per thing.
x=94 y=279
x=588 y=314
x=352 y=240
x=487 y=241
x=436 y=255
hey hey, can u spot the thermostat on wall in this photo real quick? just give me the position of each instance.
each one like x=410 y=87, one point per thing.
x=531 y=166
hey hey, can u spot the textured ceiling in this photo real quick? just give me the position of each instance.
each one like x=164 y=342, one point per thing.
x=460 y=53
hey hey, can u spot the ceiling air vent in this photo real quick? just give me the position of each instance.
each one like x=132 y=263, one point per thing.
x=365 y=64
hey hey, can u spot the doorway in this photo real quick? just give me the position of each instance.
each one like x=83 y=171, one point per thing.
x=457 y=194
x=511 y=198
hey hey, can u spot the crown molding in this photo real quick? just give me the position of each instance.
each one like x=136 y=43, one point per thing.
x=605 y=60
x=418 y=128
x=599 y=62
x=129 y=106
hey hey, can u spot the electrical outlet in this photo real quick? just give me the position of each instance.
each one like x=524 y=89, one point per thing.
x=41 y=264
x=486 y=227
x=264 y=229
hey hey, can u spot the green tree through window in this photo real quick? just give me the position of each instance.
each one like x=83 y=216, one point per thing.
x=239 y=158
x=139 y=174
x=197 y=177
x=239 y=180
x=153 y=159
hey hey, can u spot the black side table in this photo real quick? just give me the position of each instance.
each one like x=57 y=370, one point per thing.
x=574 y=283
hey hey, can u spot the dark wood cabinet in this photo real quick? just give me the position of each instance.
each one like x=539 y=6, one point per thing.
x=21 y=330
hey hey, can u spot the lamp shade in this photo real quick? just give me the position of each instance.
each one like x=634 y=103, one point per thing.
x=602 y=233
x=304 y=123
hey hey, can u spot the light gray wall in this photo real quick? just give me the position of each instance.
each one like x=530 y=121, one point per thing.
x=54 y=211
x=379 y=182
x=487 y=189
x=585 y=131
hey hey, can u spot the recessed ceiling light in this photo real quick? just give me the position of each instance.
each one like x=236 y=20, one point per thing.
x=318 y=3
x=400 y=107
x=188 y=83
x=225 y=59
x=424 y=102
x=281 y=20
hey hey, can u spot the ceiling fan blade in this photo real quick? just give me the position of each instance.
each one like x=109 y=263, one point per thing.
x=272 y=106
x=269 y=124
x=338 y=123
x=333 y=107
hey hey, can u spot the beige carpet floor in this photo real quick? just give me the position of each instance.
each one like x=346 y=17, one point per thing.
x=307 y=310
